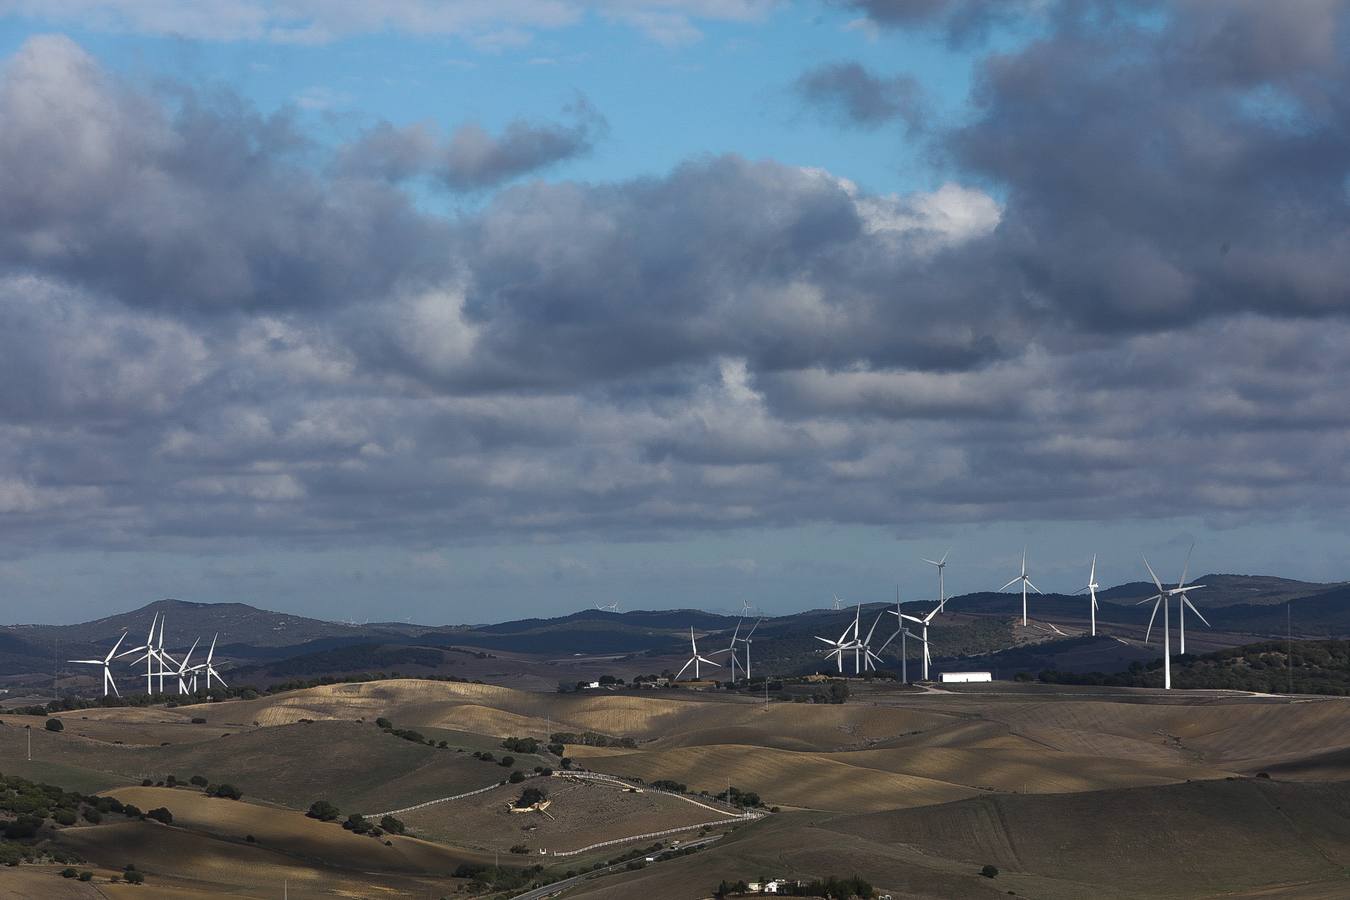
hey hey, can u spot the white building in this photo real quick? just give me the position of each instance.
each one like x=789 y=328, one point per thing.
x=965 y=677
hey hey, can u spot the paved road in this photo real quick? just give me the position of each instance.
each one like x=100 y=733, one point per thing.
x=558 y=887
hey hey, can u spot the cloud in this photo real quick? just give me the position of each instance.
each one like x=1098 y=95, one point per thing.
x=470 y=158
x=855 y=96
x=962 y=21
x=1125 y=298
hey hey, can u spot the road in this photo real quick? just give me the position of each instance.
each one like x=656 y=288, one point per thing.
x=557 y=887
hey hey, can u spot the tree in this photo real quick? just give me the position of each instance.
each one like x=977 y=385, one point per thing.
x=134 y=877
x=161 y=814
x=323 y=811
x=55 y=724
x=392 y=825
x=228 y=791
x=530 y=796
x=989 y=871
x=516 y=777
x=199 y=780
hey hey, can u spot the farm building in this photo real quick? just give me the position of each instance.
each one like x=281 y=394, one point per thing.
x=965 y=677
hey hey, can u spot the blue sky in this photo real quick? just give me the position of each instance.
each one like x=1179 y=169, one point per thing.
x=469 y=311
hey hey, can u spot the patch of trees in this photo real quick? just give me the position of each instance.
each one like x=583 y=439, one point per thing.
x=521 y=745
x=591 y=739
x=530 y=796
x=1308 y=667
x=737 y=797
x=323 y=811
x=666 y=784
x=483 y=879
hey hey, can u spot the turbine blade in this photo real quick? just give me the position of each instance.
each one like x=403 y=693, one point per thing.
x=931 y=562
x=943 y=561
x=1153 y=574
x=681 y=672
x=1033 y=587
x=1187 y=601
x=1151 y=617
x=113 y=651
x=1011 y=583
x=1187 y=567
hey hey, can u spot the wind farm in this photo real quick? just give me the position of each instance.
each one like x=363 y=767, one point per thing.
x=520 y=450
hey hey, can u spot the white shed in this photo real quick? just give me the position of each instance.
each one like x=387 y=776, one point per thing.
x=965 y=677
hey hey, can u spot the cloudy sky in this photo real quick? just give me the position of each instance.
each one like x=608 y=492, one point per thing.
x=461 y=311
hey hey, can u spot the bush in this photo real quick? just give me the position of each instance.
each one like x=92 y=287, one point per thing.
x=198 y=780
x=392 y=825
x=55 y=724
x=516 y=777
x=507 y=761
x=323 y=811
x=520 y=848
x=520 y=745
x=131 y=811
x=198 y=720
x=69 y=873
x=86 y=875
x=92 y=815
x=228 y=791
x=357 y=823
x=134 y=877
x=531 y=796
x=147 y=782
x=383 y=723
x=65 y=817
x=989 y=871
x=161 y=814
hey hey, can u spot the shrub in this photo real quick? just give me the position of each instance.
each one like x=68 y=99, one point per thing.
x=357 y=823
x=507 y=761
x=161 y=814
x=65 y=817
x=55 y=724
x=392 y=825
x=323 y=811
x=989 y=871
x=147 y=782
x=198 y=720
x=134 y=877
x=228 y=791
x=198 y=780
x=383 y=723
x=92 y=815
x=248 y=838
x=131 y=811
x=519 y=848
x=516 y=777
x=531 y=796
x=86 y=875
x=171 y=781
x=69 y=873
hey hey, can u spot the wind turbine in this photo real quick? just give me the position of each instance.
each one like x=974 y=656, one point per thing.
x=746 y=641
x=608 y=607
x=838 y=604
x=1026 y=582
x=149 y=648
x=731 y=648
x=209 y=669
x=1160 y=599
x=941 y=564
x=842 y=645
x=184 y=669
x=869 y=658
x=695 y=659
x=105 y=662
x=1091 y=588
x=927 y=659
x=1180 y=592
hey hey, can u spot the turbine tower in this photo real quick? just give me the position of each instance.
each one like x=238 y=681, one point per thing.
x=838 y=604
x=105 y=662
x=695 y=659
x=1026 y=582
x=746 y=641
x=941 y=564
x=184 y=670
x=843 y=645
x=1091 y=588
x=731 y=649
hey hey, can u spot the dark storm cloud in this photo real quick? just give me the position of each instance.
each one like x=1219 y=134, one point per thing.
x=471 y=158
x=199 y=202
x=856 y=96
x=960 y=20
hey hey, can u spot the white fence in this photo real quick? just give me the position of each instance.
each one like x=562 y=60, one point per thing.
x=394 y=812
x=744 y=817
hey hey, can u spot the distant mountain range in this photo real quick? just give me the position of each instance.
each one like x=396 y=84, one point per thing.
x=1241 y=606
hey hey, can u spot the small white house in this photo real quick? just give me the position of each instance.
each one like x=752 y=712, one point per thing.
x=965 y=677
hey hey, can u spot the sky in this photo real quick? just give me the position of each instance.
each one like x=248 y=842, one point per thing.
x=458 y=312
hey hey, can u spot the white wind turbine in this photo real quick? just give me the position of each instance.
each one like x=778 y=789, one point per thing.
x=941 y=564
x=746 y=641
x=105 y=662
x=927 y=659
x=844 y=644
x=838 y=604
x=870 y=659
x=695 y=659
x=1180 y=592
x=903 y=633
x=731 y=648
x=208 y=668
x=1091 y=588
x=607 y=607
x=1160 y=599
x=1026 y=582
x=184 y=670
x=149 y=649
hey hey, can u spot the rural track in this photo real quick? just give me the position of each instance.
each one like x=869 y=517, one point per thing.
x=557 y=887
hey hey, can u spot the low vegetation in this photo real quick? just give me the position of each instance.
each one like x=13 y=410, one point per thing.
x=590 y=739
